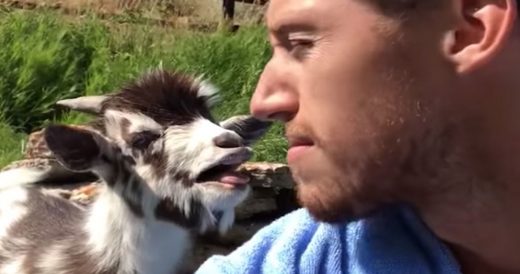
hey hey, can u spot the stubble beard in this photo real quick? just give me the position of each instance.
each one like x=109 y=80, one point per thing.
x=332 y=199
x=355 y=188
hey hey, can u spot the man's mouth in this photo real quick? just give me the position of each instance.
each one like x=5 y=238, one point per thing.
x=299 y=141
x=298 y=145
x=225 y=170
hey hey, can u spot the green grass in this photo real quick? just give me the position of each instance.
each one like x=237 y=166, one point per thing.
x=45 y=57
x=11 y=145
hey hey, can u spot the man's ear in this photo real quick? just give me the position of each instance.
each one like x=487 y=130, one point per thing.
x=76 y=149
x=481 y=30
x=247 y=126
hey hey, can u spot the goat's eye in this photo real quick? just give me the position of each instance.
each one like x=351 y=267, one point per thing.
x=143 y=139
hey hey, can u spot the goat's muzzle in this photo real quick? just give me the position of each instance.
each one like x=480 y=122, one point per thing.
x=225 y=169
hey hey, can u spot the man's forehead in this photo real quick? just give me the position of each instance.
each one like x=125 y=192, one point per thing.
x=283 y=14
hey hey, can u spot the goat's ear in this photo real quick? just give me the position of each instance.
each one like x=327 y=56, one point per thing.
x=87 y=104
x=247 y=126
x=76 y=149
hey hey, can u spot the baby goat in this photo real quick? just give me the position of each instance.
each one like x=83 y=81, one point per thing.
x=167 y=168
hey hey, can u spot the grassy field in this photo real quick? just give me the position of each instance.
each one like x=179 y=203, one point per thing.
x=45 y=57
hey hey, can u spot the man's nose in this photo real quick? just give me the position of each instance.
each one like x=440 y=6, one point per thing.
x=275 y=97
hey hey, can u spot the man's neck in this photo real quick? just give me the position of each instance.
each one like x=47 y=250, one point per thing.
x=478 y=214
x=483 y=241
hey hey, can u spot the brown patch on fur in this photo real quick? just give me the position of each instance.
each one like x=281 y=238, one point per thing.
x=118 y=171
x=167 y=97
x=130 y=182
x=125 y=129
x=167 y=210
x=134 y=204
x=183 y=177
x=132 y=193
x=158 y=161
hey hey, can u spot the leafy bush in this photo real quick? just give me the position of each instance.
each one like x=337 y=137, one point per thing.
x=42 y=59
x=11 y=146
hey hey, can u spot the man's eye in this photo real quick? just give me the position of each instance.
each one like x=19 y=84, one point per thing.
x=143 y=139
x=299 y=48
x=295 y=43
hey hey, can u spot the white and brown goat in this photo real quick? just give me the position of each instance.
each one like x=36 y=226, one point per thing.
x=167 y=168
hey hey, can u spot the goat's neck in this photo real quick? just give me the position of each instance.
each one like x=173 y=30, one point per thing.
x=121 y=226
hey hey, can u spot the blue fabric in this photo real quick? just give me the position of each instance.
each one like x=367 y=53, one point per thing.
x=392 y=241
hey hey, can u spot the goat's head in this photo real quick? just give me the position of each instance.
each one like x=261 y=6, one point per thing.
x=163 y=124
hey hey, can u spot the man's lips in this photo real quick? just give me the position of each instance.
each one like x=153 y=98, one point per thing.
x=299 y=141
x=297 y=147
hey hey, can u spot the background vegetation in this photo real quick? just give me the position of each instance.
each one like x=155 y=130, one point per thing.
x=48 y=55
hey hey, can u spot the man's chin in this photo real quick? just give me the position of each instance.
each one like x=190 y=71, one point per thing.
x=333 y=205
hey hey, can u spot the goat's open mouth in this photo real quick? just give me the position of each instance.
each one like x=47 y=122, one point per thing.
x=226 y=171
x=225 y=174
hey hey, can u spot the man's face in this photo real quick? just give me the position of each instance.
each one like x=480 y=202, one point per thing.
x=355 y=92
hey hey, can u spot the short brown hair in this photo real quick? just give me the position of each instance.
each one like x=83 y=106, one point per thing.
x=402 y=7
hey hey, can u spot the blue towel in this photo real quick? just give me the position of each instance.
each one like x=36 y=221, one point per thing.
x=392 y=241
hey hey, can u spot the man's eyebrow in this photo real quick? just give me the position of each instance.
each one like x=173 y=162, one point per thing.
x=290 y=22
x=285 y=28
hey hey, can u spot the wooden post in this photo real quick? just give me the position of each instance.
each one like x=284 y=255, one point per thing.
x=229 y=9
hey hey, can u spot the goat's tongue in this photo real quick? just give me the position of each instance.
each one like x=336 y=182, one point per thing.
x=233 y=178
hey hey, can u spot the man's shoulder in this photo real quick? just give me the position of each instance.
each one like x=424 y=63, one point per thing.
x=298 y=243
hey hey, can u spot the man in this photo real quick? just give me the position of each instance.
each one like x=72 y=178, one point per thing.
x=402 y=119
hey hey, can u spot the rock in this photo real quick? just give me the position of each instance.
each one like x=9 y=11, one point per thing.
x=269 y=175
x=85 y=194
